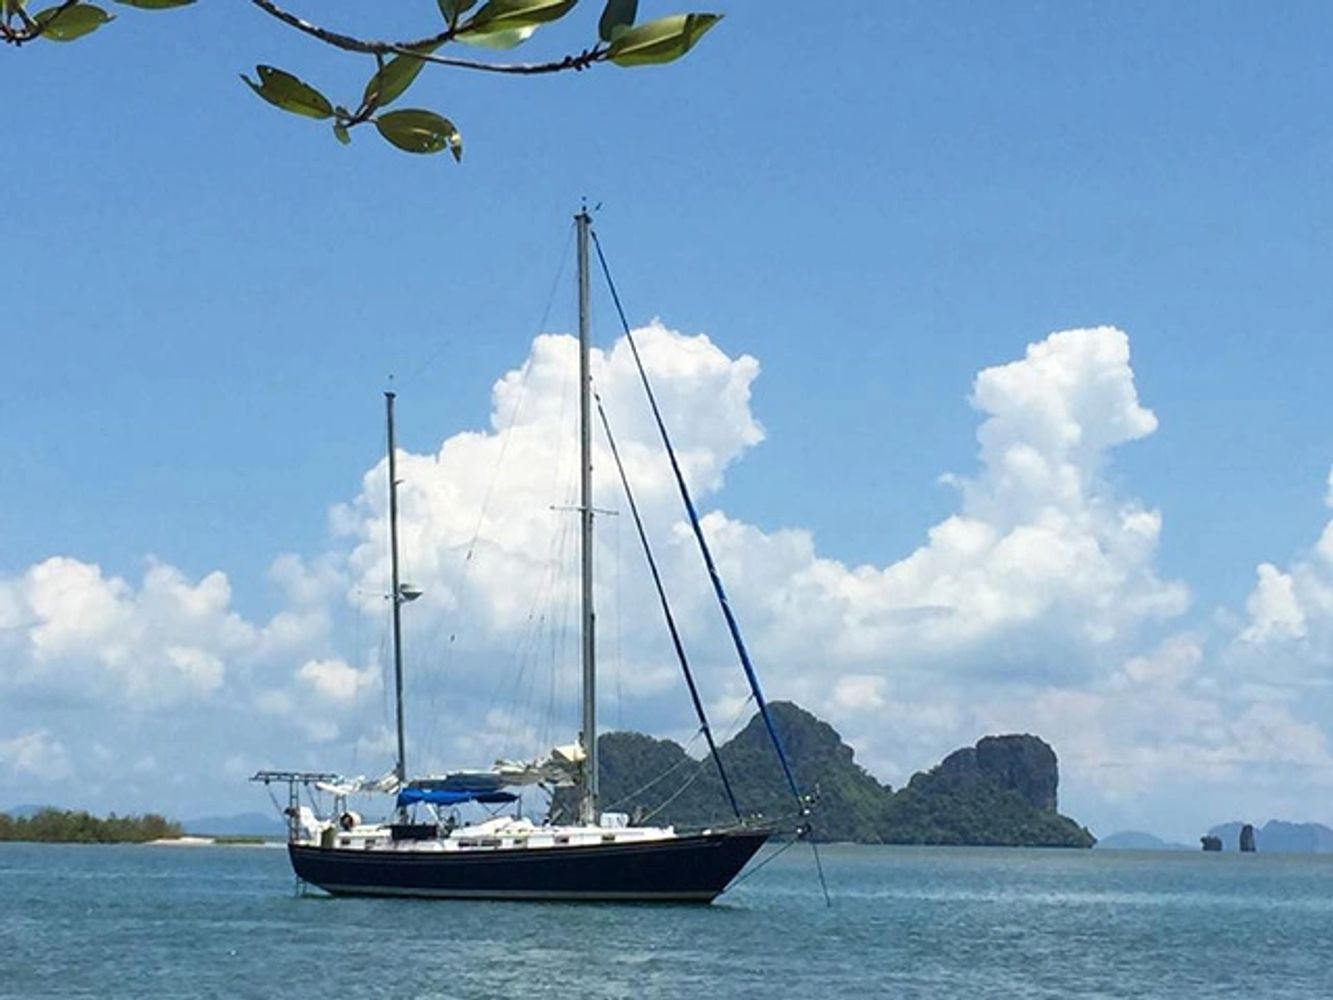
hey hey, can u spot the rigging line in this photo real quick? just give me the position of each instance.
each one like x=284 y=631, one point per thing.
x=684 y=762
x=801 y=832
x=732 y=727
x=527 y=652
x=355 y=625
x=772 y=857
x=532 y=633
x=666 y=609
x=732 y=626
x=819 y=867
x=382 y=657
x=678 y=793
x=558 y=627
x=518 y=407
x=527 y=648
x=282 y=810
x=564 y=261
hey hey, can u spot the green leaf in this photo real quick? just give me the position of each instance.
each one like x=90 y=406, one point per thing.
x=285 y=91
x=418 y=131
x=496 y=39
x=342 y=135
x=388 y=84
x=69 y=23
x=504 y=15
x=619 y=14
x=660 y=41
x=155 y=4
x=453 y=9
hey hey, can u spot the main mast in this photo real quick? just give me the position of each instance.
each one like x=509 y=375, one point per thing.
x=396 y=596
x=588 y=735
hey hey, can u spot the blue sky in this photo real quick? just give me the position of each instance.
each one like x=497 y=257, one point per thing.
x=206 y=297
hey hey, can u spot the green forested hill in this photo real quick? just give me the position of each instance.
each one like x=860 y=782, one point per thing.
x=1002 y=791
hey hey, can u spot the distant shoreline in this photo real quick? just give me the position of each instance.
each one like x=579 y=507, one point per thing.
x=49 y=825
x=187 y=841
x=194 y=840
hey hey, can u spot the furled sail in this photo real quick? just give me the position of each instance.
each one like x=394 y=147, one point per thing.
x=559 y=768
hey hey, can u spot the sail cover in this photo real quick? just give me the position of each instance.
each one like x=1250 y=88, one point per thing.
x=446 y=797
x=459 y=781
x=562 y=766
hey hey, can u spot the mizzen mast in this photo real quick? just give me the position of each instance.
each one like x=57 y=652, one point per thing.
x=396 y=596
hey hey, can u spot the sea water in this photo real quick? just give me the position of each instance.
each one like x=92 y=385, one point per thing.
x=139 y=921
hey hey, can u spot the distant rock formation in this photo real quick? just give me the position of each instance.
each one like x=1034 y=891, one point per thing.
x=1278 y=837
x=1003 y=791
x=1023 y=764
x=1211 y=843
x=1247 y=839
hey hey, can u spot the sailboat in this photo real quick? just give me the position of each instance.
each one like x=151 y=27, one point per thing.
x=601 y=856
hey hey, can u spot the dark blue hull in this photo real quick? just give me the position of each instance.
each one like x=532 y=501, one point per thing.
x=692 y=868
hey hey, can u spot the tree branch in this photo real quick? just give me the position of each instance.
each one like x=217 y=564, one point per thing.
x=31 y=28
x=579 y=62
x=350 y=43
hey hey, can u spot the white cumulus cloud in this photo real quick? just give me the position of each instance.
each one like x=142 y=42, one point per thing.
x=98 y=636
x=1289 y=624
x=335 y=681
x=35 y=754
x=1275 y=611
x=1041 y=545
